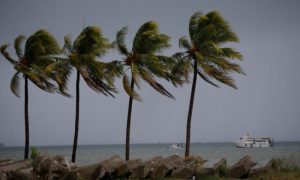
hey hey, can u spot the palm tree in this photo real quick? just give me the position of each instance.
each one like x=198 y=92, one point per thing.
x=31 y=66
x=206 y=56
x=143 y=62
x=82 y=55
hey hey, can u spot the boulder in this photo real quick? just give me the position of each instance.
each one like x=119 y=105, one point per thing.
x=241 y=168
x=26 y=174
x=23 y=164
x=51 y=167
x=183 y=172
x=166 y=166
x=106 y=168
x=151 y=165
x=260 y=168
x=125 y=169
x=5 y=161
x=211 y=167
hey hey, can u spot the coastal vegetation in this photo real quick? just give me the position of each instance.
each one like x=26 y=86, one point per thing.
x=44 y=62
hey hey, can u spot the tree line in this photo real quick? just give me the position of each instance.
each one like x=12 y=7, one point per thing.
x=48 y=66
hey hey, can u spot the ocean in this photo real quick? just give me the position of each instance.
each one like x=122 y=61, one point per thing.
x=88 y=154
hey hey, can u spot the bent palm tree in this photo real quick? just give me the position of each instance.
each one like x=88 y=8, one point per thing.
x=31 y=66
x=206 y=56
x=82 y=55
x=143 y=62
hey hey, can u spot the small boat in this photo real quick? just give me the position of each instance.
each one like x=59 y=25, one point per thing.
x=248 y=142
x=176 y=146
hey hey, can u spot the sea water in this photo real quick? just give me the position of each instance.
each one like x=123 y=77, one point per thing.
x=88 y=154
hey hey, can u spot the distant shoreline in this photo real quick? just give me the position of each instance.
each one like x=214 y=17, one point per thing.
x=134 y=144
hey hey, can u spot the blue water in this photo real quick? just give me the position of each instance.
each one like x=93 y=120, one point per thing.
x=94 y=153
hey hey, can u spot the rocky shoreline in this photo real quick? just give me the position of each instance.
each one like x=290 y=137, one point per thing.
x=47 y=167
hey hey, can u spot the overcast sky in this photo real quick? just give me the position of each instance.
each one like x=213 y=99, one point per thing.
x=266 y=104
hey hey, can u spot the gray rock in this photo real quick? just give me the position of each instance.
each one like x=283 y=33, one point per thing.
x=125 y=169
x=151 y=165
x=166 y=166
x=107 y=167
x=183 y=172
x=51 y=167
x=15 y=166
x=211 y=167
x=260 y=168
x=5 y=162
x=241 y=168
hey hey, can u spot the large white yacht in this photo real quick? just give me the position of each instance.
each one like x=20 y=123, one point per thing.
x=249 y=142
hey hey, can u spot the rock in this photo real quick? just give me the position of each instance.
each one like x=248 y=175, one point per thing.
x=72 y=175
x=87 y=171
x=211 y=167
x=107 y=167
x=261 y=168
x=150 y=165
x=15 y=166
x=125 y=169
x=51 y=167
x=26 y=174
x=183 y=172
x=138 y=172
x=166 y=166
x=241 y=168
x=5 y=162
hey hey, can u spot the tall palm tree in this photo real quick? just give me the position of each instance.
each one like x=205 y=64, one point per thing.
x=206 y=56
x=82 y=55
x=143 y=63
x=31 y=65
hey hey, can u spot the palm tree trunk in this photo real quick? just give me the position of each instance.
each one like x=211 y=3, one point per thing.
x=127 y=147
x=76 y=118
x=26 y=120
x=189 y=118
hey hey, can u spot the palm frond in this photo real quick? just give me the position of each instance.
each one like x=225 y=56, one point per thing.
x=91 y=41
x=6 y=54
x=18 y=43
x=205 y=78
x=95 y=83
x=60 y=72
x=68 y=44
x=184 y=43
x=148 y=40
x=120 y=41
x=157 y=86
x=193 y=23
x=131 y=92
x=112 y=70
x=15 y=84
x=231 y=53
x=39 y=45
x=221 y=76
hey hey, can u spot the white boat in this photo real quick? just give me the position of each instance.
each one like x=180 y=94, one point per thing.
x=176 y=146
x=249 y=142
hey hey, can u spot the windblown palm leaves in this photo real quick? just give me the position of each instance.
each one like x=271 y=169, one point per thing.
x=143 y=63
x=31 y=66
x=211 y=60
x=82 y=55
x=29 y=62
x=208 y=34
x=142 y=60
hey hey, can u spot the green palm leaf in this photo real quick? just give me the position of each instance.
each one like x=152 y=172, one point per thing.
x=15 y=84
x=120 y=40
x=18 y=43
x=132 y=93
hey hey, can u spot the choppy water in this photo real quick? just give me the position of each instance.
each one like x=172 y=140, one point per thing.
x=94 y=153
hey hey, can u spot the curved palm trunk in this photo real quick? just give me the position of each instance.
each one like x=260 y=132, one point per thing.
x=127 y=147
x=76 y=118
x=189 y=118
x=26 y=120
